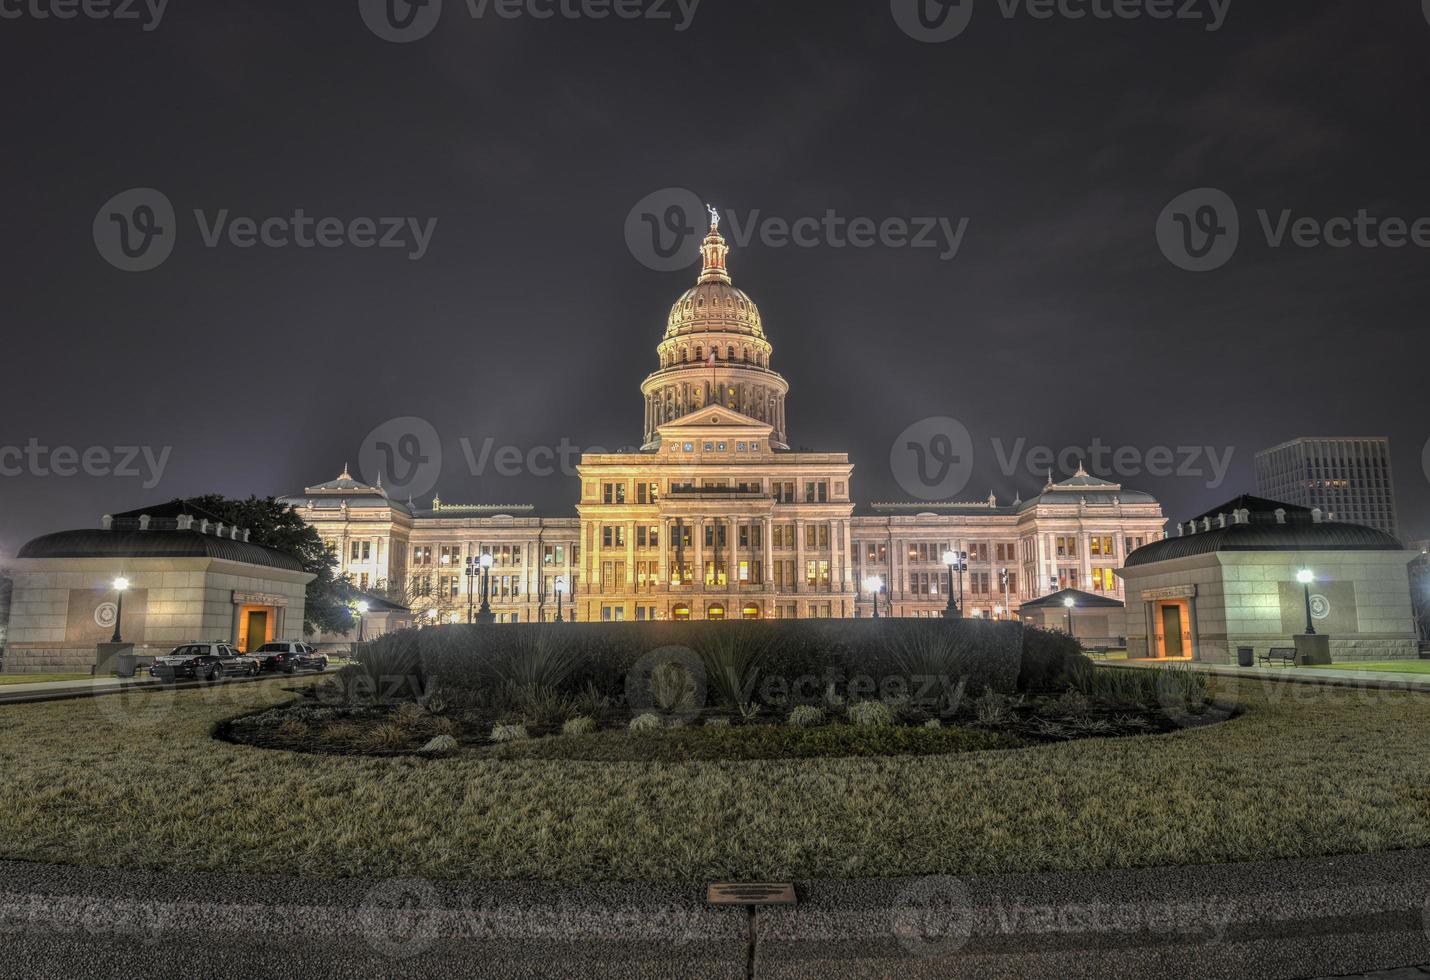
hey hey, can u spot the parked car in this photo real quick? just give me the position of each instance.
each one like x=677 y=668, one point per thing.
x=289 y=656
x=203 y=661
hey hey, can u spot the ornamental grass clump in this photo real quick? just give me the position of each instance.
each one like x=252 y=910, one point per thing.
x=647 y=722
x=871 y=714
x=582 y=725
x=509 y=733
x=806 y=716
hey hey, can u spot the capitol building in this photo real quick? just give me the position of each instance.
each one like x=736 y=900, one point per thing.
x=717 y=518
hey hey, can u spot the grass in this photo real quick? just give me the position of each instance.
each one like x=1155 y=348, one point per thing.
x=135 y=780
x=1389 y=666
x=42 y=678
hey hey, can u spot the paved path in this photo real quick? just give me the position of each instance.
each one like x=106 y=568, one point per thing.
x=1332 y=917
x=91 y=687
x=1364 y=679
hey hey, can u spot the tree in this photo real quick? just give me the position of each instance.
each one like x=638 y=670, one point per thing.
x=280 y=527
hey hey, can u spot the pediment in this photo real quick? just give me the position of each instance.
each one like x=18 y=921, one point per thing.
x=714 y=418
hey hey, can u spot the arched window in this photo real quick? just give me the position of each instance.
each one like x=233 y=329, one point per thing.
x=680 y=612
x=730 y=353
x=751 y=611
x=700 y=353
x=716 y=612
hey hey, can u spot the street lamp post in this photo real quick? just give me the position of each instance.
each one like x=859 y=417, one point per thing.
x=950 y=609
x=120 y=585
x=1305 y=576
x=1006 y=603
x=874 y=584
x=472 y=572
x=1070 y=602
x=485 y=615
x=362 y=608
x=560 y=592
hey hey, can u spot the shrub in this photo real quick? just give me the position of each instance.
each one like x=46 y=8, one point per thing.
x=509 y=733
x=806 y=716
x=993 y=708
x=441 y=745
x=340 y=731
x=646 y=723
x=386 y=670
x=933 y=723
x=672 y=688
x=1072 y=704
x=386 y=737
x=1049 y=660
x=732 y=665
x=408 y=714
x=541 y=706
x=579 y=726
x=572 y=656
x=871 y=714
x=717 y=722
x=592 y=703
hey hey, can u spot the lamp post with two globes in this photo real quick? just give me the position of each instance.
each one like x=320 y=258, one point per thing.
x=874 y=584
x=560 y=593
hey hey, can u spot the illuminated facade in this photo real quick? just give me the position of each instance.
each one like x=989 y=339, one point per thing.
x=716 y=518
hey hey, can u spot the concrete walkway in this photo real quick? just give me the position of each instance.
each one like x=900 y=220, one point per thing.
x=1318 y=918
x=1365 y=679
x=90 y=687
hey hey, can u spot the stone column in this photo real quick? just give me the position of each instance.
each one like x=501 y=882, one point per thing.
x=768 y=547
x=665 y=548
x=734 y=567
x=799 y=569
x=630 y=556
x=697 y=533
x=848 y=557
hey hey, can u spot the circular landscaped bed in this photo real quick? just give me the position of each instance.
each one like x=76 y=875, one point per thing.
x=730 y=695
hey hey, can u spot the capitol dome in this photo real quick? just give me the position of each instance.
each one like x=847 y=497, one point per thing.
x=717 y=307
x=714 y=352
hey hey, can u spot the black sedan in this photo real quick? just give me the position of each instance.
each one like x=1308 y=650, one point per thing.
x=288 y=657
x=203 y=661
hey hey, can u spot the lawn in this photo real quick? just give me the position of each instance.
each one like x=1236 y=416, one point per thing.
x=1389 y=666
x=135 y=780
x=42 y=678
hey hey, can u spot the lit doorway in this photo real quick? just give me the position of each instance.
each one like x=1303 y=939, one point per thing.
x=716 y=612
x=255 y=627
x=751 y=611
x=1174 y=630
x=680 y=613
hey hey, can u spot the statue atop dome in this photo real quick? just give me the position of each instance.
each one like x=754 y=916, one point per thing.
x=714 y=218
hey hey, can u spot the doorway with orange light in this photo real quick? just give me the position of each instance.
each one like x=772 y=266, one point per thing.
x=256 y=625
x=1173 y=621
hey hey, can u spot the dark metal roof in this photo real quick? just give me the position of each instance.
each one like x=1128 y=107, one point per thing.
x=1084 y=600
x=1262 y=530
x=154 y=544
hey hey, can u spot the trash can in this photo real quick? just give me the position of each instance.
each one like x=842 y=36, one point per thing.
x=1245 y=657
x=125 y=664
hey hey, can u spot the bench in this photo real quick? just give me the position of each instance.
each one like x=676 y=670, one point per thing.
x=1286 y=656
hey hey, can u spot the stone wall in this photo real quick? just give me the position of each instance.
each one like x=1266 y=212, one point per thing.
x=184 y=600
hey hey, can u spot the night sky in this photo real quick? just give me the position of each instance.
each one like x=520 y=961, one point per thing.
x=529 y=320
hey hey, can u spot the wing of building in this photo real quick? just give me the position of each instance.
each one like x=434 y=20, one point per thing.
x=716 y=518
